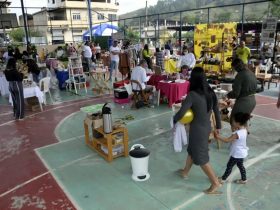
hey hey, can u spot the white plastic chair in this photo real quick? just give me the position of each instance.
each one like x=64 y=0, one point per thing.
x=44 y=85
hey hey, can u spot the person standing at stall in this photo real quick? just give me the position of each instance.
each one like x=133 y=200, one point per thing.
x=16 y=89
x=115 y=59
x=147 y=55
x=98 y=51
x=202 y=100
x=243 y=52
x=243 y=89
x=87 y=54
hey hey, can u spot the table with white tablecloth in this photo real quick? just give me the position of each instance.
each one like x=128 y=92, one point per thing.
x=4 y=85
x=32 y=91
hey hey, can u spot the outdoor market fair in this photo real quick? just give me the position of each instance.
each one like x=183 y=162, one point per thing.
x=208 y=86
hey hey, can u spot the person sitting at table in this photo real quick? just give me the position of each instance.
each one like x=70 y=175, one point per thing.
x=185 y=72
x=139 y=74
x=187 y=58
x=147 y=55
x=16 y=89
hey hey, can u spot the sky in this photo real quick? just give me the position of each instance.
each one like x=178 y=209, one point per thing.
x=125 y=5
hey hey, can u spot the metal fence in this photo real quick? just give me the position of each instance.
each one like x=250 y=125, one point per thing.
x=59 y=26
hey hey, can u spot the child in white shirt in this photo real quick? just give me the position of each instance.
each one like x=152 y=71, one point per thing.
x=238 y=148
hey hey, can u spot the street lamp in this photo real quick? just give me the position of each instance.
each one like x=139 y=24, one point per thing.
x=146 y=22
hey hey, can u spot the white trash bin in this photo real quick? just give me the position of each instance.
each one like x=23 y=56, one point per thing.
x=139 y=157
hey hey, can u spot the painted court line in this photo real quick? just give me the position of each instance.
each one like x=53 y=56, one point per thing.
x=77 y=137
x=193 y=199
x=271 y=97
x=267 y=118
x=60 y=123
x=23 y=184
x=6 y=113
x=59 y=107
x=266 y=104
x=60 y=184
x=52 y=171
x=248 y=164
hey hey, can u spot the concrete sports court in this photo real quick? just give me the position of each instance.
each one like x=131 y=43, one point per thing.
x=45 y=164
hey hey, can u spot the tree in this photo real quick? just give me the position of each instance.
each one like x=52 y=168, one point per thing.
x=275 y=8
x=132 y=35
x=18 y=34
x=224 y=17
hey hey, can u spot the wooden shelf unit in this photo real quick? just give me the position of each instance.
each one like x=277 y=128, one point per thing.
x=76 y=73
x=109 y=141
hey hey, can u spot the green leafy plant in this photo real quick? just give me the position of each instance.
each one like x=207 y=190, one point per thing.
x=18 y=34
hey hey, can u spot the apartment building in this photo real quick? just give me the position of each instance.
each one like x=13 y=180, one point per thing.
x=7 y=21
x=66 y=20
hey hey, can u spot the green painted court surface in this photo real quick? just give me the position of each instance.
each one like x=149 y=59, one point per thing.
x=92 y=183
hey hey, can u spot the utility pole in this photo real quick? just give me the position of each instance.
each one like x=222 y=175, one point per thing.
x=90 y=18
x=24 y=22
x=146 y=22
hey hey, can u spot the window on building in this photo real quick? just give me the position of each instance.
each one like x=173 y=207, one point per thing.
x=98 y=1
x=108 y=1
x=112 y=16
x=76 y=16
x=53 y=1
x=100 y=16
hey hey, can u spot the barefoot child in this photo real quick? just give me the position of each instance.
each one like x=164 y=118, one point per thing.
x=238 y=148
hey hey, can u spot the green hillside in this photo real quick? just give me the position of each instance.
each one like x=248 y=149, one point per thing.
x=253 y=12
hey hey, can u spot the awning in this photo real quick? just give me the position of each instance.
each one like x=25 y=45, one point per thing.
x=102 y=30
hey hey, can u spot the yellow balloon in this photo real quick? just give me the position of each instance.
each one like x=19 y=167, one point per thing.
x=187 y=118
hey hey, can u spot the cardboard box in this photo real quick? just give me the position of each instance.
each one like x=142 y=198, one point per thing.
x=32 y=104
x=94 y=120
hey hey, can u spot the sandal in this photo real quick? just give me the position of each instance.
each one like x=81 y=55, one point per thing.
x=221 y=180
x=213 y=191
x=240 y=181
x=180 y=173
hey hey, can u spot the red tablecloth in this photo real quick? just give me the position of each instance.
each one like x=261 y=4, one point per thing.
x=174 y=91
x=154 y=80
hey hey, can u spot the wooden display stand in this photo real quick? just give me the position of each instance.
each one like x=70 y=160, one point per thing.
x=109 y=141
x=76 y=73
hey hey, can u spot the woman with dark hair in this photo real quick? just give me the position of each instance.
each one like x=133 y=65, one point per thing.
x=147 y=55
x=17 y=54
x=243 y=89
x=15 y=86
x=202 y=100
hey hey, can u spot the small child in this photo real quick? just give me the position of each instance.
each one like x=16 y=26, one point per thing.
x=238 y=148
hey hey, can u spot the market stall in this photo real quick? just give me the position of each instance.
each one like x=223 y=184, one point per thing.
x=213 y=45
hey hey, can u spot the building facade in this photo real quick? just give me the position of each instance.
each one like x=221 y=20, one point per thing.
x=65 y=21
